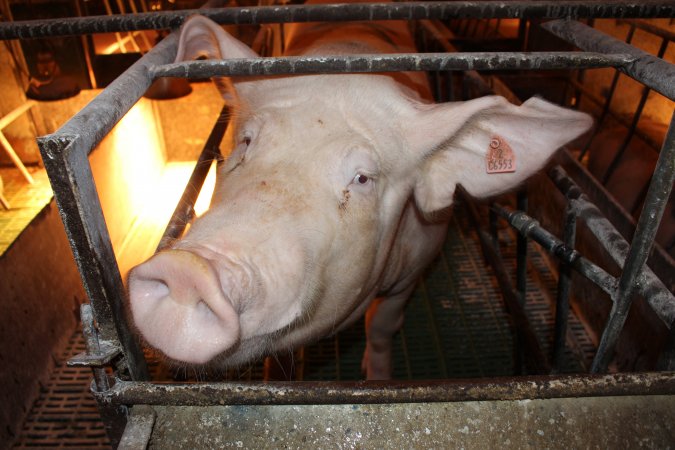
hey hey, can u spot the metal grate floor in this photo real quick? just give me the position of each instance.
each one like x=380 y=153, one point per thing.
x=455 y=327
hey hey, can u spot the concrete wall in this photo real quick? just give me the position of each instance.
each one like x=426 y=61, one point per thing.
x=40 y=293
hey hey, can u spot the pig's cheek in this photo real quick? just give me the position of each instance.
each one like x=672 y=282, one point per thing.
x=270 y=315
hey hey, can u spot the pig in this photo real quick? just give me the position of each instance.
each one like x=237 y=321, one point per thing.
x=332 y=202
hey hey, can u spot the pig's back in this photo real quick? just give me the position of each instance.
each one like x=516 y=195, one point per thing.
x=343 y=38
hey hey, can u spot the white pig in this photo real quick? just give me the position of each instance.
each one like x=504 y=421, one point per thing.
x=327 y=204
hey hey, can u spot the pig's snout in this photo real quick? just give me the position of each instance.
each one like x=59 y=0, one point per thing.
x=179 y=306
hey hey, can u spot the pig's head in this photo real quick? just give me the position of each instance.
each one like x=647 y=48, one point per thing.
x=308 y=203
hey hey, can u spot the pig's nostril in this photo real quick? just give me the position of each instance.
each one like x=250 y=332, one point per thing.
x=205 y=312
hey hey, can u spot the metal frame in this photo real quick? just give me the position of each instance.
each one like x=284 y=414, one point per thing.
x=65 y=156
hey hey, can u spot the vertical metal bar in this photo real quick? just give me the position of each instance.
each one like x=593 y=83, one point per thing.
x=65 y=157
x=93 y=346
x=657 y=196
x=636 y=118
x=521 y=253
x=608 y=101
x=564 y=287
x=449 y=85
x=534 y=358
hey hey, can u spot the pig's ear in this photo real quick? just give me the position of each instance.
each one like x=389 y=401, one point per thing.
x=202 y=38
x=487 y=145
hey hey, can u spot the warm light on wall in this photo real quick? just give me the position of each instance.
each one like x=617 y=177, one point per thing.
x=139 y=150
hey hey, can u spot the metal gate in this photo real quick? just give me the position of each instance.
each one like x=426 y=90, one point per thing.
x=354 y=414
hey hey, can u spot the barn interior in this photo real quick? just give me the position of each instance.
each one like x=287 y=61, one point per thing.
x=458 y=323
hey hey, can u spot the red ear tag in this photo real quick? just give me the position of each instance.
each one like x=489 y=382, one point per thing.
x=500 y=157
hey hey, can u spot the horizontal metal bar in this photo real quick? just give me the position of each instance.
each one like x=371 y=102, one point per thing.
x=649 y=70
x=374 y=392
x=550 y=9
x=290 y=65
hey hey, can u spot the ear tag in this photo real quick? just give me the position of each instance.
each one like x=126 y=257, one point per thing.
x=500 y=157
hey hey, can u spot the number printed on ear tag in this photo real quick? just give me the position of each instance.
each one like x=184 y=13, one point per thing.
x=500 y=157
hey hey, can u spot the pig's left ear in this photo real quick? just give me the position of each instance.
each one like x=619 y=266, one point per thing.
x=202 y=38
x=487 y=145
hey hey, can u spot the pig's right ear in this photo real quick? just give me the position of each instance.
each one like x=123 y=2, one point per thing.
x=202 y=38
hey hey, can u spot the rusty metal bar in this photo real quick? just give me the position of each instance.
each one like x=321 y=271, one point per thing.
x=290 y=65
x=530 y=227
x=374 y=392
x=339 y=12
x=649 y=286
x=650 y=218
x=649 y=70
x=562 y=308
x=184 y=212
x=65 y=157
x=650 y=28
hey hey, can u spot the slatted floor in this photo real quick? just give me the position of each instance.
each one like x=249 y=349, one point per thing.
x=455 y=327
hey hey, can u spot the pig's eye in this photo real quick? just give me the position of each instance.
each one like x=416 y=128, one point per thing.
x=361 y=179
x=246 y=141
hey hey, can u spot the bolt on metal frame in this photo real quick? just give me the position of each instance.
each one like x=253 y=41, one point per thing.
x=65 y=152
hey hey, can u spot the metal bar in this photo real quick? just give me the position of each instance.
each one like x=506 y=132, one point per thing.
x=533 y=357
x=101 y=382
x=290 y=65
x=633 y=126
x=650 y=28
x=339 y=12
x=70 y=175
x=650 y=218
x=184 y=212
x=606 y=107
x=95 y=120
x=65 y=156
x=378 y=392
x=530 y=227
x=615 y=215
x=649 y=70
x=139 y=427
x=564 y=287
x=521 y=253
x=618 y=117
x=650 y=286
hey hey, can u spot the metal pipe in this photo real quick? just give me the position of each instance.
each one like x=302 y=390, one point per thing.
x=649 y=70
x=521 y=252
x=633 y=126
x=606 y=107
x=378 y=392
x=549 y=9
x=650 y=28
x=650 y=218
x=184 y=212
x=93 y=122
x=564 y=287
x=65 y=157
x=291 y=65
x=650 y=286
x=533 y=357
